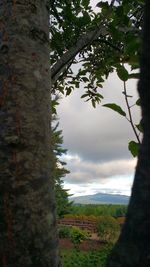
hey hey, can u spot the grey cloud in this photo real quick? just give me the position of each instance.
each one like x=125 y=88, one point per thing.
x=88 y=172
x=97 y=138
x=97 y=134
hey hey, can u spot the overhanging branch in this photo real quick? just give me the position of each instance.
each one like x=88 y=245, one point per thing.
x=83 y=42
x=60 y=66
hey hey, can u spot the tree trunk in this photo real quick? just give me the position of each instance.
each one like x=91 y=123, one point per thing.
x=28 y=234
x=133 y=246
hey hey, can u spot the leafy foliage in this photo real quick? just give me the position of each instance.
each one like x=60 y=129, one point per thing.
x=87 y=46
x=64 y=231
x=97 y=210
x=106 y=50
x=88 y=259
x=77 y=236
x=108 y=229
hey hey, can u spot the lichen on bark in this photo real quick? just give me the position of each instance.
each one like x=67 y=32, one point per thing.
x=28 y=235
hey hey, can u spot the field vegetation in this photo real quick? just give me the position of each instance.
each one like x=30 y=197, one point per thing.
x=108 y=219
x=74 y=258
x=101 y=209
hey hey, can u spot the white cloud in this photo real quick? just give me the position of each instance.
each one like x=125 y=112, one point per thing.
x=89 y=171
x=114 y=185
x=107 y=177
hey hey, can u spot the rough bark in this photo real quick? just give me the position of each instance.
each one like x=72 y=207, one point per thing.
x=28 y=236
x=133 y=246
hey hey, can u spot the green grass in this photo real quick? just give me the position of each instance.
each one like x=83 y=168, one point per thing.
x=73 y=258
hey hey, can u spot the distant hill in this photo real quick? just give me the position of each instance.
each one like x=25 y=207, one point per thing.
x=101 y=198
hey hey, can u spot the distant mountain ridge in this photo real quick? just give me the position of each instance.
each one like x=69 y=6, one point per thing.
x=101 y=198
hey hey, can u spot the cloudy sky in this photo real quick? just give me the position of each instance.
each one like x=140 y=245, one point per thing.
x=97 y=140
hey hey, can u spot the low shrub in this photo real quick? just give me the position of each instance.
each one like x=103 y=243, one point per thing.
x=64 y=231
x=77 y=236
x=108 y=229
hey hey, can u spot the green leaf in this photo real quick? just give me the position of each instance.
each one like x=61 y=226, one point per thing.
x=132 y=44
x=85 y=79
x=133 y=148
x=61 y=89
x=87 y=18
x=84 y=95
x=85 y=3
x=103 y=5
x=68 y=13
x=99 y=85
x=93 y=103
x=138 y=102
x=122 y=73
x=134 y=65
x=139 y=127
x=116 y=108
x=99 y=95
x=68 y=91
x=77 y=84
x=134 y=76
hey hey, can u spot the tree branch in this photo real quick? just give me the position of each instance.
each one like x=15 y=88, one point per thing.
x=130 y=115
x=84 y=41
x=60 y=66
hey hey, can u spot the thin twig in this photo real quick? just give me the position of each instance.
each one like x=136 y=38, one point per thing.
x=129 y=112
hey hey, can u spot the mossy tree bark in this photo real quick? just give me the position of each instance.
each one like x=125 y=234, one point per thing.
x=28 y=236
x=133 y=246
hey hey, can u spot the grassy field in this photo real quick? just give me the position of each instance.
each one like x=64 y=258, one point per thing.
x=73 y=258
x=93 y=258
x=97 y=210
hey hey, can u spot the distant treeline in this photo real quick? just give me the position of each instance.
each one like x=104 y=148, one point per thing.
x=97 y=210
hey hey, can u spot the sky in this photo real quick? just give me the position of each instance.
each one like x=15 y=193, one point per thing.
x=97 y=140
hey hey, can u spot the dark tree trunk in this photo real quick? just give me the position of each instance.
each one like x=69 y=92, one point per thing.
x=133 y=246
x=28 y=236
